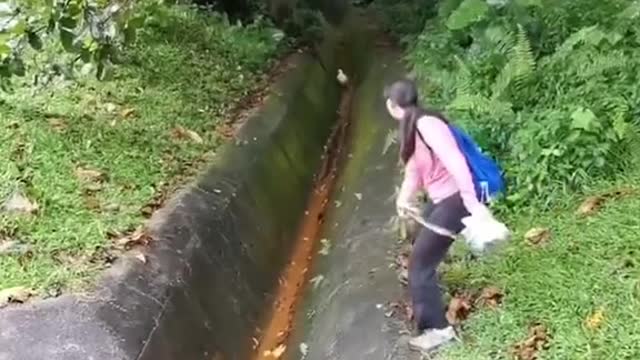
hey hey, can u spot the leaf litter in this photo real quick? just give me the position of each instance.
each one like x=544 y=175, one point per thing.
x=402 y=308
x=538 y=236
x=592 y=204
x=459 y=308
x=402 y=262
x=595 y=320
x=18 y=294
x=125 y=242
x=89 y=175
x=181 y=133
x=491 y=296
x=536 y=341
x=58 y=125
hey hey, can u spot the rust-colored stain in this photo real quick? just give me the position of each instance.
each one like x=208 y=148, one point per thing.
x=270 y=343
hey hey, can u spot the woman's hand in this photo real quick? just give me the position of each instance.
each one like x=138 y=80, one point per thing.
x=406 y=210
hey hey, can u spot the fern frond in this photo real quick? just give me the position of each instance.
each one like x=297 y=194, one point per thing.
x=502 y=39
x=464 y=80
x=631 y=12
x=519 y=68
x=469 y=12
x=627 y=152
x=480 y=105
x=599 y=63
x=617 y=109
x=591 y=35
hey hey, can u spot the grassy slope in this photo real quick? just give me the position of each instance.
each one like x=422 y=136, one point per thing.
x=590 y=264
x=186 y=73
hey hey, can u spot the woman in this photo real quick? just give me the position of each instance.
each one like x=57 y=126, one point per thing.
x=433 y=162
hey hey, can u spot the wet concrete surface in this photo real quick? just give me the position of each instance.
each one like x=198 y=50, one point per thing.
x=345 y=314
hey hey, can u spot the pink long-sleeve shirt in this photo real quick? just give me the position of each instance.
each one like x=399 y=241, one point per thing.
x=441 y=170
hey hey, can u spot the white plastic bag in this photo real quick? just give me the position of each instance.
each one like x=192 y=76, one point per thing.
x=483 y=231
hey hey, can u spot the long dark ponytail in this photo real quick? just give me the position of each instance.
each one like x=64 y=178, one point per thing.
x=404 y=93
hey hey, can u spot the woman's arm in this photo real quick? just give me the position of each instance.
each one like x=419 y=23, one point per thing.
x=411 y=183
x=437 y=135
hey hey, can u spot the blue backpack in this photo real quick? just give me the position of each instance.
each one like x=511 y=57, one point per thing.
x=486 y=174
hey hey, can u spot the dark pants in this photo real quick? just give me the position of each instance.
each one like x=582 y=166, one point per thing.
x=429 y=249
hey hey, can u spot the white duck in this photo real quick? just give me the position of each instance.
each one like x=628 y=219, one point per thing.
x=342 y=77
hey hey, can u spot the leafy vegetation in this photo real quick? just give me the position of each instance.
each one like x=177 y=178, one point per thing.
x=548 y=88
x=85 y=32
x=90 y=31
x=93 y=158
x=404 y=19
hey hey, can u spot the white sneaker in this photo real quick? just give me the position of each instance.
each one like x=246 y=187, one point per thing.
x=432 y=339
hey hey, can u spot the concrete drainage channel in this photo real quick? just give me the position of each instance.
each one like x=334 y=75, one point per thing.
x=227 y=276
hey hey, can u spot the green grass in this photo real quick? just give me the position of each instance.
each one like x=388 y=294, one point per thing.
x=589 y=263
x=186 y=71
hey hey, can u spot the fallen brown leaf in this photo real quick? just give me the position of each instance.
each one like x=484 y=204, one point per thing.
x=180 y=132
x=225 y=130
x=89 y=175
x=127 y=112
x=95 y=187
x=112 y=207
x=91 y=202
x=595 y=320
x=18 y=203
x=625 y=191
x=537 y=340
x=403 y=308
x=592 y=204
x=402 y=261
x=491 y=296
x=17 y=294
x=537 y=236
x=138 y=237
x=195 y=136
x=69 y=258
x=58 y=125
x=403 y=277
x=459 y=308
